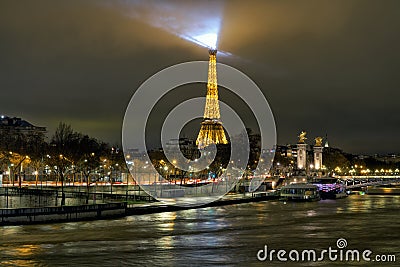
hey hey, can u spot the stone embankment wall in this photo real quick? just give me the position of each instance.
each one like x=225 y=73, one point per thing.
x=61 y=214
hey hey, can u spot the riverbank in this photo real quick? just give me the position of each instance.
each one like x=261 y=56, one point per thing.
x=20 y=216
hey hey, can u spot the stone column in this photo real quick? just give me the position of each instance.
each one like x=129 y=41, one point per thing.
x=318 y=157
x=301 y=156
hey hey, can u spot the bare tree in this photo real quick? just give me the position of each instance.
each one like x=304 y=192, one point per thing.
x=89 y=160
x=64 y=151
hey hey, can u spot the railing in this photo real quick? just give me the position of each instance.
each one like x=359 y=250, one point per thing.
x=362 y=181
x=363 y=184
x=14 y=191
x=61 y=209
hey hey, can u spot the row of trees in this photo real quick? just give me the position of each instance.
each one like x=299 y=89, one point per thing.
x=67 y=151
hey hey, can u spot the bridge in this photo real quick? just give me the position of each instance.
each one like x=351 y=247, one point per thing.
x=351 y=182
x=362 y=181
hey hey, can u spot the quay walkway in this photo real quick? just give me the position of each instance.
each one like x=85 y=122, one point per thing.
x=20 y=216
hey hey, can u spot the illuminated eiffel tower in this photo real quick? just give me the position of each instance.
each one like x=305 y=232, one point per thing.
x=211 y=131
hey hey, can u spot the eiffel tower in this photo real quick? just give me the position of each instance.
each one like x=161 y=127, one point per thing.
x=211 y=131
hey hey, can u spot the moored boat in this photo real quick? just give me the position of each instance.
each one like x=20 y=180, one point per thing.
x=300 y=192
x=330 y=187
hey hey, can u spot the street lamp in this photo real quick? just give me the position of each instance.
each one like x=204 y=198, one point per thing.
x=166 y=172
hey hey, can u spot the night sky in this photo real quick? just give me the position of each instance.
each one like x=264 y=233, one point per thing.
x=327 y=67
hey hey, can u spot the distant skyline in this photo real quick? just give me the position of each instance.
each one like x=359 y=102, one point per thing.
x=326 y=67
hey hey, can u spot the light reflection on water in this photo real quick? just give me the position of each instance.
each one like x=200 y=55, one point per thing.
x=223 y=236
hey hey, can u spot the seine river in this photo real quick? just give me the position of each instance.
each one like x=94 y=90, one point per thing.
x=216 y=236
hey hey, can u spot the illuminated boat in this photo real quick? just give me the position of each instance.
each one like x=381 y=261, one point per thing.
x=300 y=192
x=330 y=187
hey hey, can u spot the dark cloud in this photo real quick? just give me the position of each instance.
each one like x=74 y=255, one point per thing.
x=325 y=66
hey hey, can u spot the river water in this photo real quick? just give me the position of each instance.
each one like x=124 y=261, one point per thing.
x=216 y=236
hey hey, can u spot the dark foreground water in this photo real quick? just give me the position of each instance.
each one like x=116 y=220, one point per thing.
x=218 y=236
